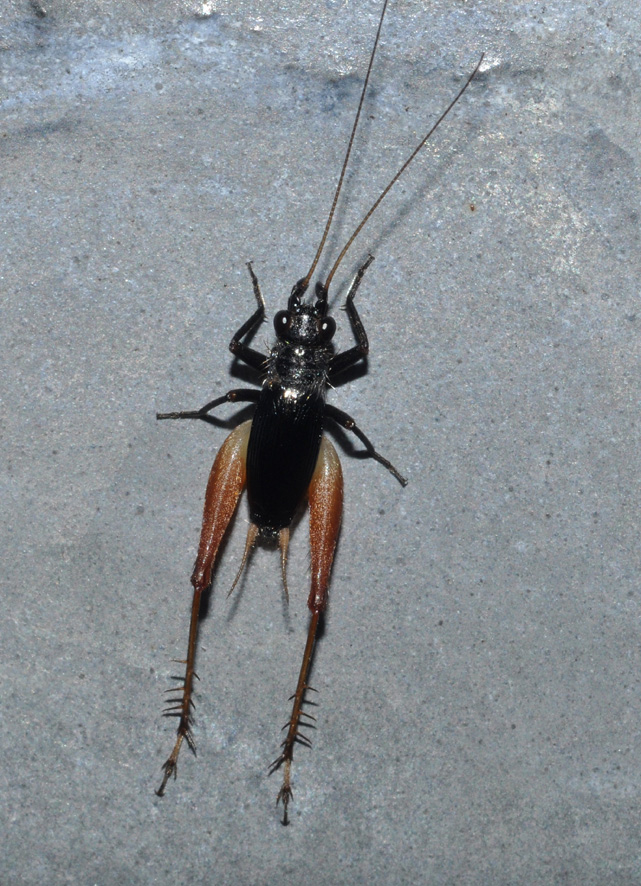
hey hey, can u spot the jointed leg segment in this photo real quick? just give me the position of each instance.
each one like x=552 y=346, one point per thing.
x=325 y=511
x=237 y=395
x=348 y=358
x=226 y=483
x=238 y=348
x=341 y=362
x=346 y=421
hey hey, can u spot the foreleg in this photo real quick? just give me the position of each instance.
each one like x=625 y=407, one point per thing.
x=340 y=362
x=238 y=348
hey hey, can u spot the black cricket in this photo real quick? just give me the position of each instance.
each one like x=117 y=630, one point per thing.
x=281 y=455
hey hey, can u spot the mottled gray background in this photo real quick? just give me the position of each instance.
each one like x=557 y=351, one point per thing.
x=480 y=702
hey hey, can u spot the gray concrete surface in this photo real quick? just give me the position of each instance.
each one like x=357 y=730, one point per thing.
x=480 y=702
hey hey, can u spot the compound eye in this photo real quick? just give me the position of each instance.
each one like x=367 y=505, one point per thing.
x=282 y=322
x=327 y=329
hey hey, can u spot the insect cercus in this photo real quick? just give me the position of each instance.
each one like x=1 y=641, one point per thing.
x=282 y=456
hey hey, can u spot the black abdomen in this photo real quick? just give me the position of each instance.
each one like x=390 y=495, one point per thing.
x=281 y=456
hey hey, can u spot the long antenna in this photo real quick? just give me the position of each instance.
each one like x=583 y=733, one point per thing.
x=400 y=172
x=304 y=283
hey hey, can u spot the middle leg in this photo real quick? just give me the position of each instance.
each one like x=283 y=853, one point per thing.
x=346 y=421
x=237 y=395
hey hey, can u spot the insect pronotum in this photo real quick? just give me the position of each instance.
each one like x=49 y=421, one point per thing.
x=281 y=455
